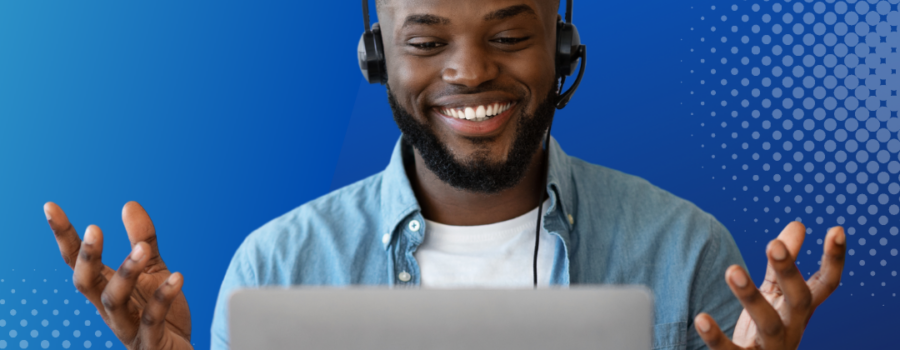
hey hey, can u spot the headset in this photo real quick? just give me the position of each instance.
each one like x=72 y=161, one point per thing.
x=569 y=51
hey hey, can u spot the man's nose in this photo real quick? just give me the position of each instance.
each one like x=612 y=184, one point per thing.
x=470 y=65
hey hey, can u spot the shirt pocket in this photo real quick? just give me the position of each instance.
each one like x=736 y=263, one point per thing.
x=670 y=336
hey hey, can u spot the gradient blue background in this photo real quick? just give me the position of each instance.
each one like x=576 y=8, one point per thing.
x=220 y=116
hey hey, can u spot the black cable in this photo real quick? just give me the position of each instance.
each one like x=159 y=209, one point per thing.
x=543 y=191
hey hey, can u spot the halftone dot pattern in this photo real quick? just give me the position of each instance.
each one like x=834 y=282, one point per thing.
x=43 y=310
x=802 y=99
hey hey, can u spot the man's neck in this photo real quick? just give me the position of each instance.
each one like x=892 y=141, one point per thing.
x=448 y=205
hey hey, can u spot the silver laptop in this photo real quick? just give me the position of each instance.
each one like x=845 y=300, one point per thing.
x=438 y=319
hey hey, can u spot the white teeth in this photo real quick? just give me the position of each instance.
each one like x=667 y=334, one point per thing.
x=478 y=113
x=470 y=113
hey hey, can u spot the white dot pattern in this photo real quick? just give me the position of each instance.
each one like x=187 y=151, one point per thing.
x=803 y=96
x=46 y=313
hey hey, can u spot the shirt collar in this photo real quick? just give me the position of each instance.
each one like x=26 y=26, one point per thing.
x=560 y=183
x=398 y=200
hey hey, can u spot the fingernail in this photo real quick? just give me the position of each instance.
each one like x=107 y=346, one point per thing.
x=840 y=239
x=778 y=252
x=138 y=253
x=702 y=324
x=738 y=278
x=173 y=279
x=90 y=237
x=47 y=215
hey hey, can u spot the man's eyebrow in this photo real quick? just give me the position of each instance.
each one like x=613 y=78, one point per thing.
x=428 y=20
x=509 y=12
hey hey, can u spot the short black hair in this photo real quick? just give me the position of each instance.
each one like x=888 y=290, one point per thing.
x=381 y=2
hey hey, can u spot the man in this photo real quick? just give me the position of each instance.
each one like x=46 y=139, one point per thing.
x=473 y=88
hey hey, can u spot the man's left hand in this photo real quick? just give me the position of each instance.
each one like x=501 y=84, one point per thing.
x=776 y=314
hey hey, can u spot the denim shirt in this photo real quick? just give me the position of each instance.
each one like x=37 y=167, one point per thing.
x=612 y=228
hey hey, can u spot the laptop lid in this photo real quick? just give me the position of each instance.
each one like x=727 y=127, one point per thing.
x=438 y=319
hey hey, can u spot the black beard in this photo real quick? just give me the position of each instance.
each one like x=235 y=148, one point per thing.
x=478 y=173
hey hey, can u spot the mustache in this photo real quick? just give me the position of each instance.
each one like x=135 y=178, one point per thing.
x=490 y=86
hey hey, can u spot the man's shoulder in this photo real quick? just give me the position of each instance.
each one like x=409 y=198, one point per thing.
x=630 y=211
x=349 y=210
x=626 y=194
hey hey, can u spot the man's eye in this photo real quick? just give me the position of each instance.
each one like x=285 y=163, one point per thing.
x=429 y=45
x=510 y=41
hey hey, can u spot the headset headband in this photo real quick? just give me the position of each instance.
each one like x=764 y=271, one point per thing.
x=366 y=16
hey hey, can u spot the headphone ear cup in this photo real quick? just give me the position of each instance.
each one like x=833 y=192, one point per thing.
x=567 y=43
x=370 y=52
x=363 y=55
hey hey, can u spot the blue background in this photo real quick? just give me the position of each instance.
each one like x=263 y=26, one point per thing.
x=220 y=116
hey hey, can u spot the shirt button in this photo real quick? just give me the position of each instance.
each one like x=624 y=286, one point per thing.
x=386 y=238
x=404 y=276
x=414 y=226
x=571 y=220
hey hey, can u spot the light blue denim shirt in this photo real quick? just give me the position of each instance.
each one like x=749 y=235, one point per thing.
x=612 y=228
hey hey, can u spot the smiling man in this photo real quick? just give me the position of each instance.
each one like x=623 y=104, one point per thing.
x=473 y=86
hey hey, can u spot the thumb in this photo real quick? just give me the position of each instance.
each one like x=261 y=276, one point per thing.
x=153 y=318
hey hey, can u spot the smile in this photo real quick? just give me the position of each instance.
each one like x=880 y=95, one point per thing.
x=477 y=113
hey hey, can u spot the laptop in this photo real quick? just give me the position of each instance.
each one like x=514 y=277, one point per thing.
x=439 y=319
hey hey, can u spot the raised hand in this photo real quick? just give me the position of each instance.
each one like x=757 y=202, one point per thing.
x=141 y=302
x=776 y=314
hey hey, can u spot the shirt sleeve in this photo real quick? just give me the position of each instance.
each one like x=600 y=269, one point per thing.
x=240 y=274
x=710 y=293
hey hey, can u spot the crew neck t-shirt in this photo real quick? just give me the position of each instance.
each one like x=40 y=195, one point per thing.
x=498 y=255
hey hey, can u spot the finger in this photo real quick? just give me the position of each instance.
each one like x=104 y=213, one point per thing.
x=711 y=333
x=792 y=236
x=88 y=277
x=828 y=278
x=140 y=229
x=153 y=319
x=796 y=293
x=66 y=236
x=767 y=320
x=115 y=298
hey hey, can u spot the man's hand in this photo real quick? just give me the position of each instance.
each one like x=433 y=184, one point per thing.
x=776 y=314
x=141 y=301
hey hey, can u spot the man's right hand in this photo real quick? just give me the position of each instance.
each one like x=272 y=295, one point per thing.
x=141 y=302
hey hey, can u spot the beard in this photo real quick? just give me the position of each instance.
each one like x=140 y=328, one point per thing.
x=478 y=173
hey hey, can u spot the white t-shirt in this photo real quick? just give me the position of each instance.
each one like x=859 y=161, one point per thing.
x=498 y=255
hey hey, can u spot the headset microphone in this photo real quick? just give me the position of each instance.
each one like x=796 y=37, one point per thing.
x=569 y=51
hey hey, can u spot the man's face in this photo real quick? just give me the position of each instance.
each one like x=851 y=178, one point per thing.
x=472 y=74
